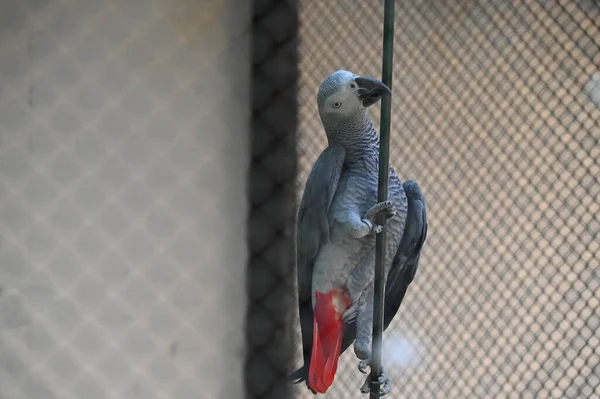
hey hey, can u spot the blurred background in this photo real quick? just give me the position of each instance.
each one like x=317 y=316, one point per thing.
x=152 y=155
x=123 y=160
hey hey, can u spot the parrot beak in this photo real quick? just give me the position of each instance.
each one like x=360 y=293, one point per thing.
x=370 y=90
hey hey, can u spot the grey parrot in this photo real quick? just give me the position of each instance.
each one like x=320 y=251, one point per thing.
x=336 y=230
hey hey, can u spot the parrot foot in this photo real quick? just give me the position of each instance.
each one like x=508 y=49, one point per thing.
x=385 y=206
x=384 y=379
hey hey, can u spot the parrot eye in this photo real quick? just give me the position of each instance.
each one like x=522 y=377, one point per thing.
x=352 y=85
x=337 y=105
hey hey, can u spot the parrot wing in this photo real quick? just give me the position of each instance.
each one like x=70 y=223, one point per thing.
x=312 y=234
x=406 y=260
x=313 y=223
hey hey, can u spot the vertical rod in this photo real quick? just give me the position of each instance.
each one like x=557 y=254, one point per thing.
x=382 y=194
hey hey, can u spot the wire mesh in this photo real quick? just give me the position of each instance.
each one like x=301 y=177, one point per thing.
x=271 y=193
x=495 y=113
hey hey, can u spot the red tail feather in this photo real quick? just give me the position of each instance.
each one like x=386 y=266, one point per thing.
x=327 y=339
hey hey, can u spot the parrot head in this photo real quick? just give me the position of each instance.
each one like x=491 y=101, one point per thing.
x=344 y=94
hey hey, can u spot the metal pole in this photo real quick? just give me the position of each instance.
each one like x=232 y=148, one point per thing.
x=382 y=194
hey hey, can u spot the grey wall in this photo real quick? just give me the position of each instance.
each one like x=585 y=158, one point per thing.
x=123 y=152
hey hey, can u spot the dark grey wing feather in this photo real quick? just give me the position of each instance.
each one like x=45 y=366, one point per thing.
x=406 y=260
x=312 y=232
x=313 y=223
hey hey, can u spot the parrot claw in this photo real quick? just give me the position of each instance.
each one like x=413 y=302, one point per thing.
x=362 y=366
x=387 y=207
x=384 y=380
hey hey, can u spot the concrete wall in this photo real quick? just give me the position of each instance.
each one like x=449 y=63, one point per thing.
x=123 y=152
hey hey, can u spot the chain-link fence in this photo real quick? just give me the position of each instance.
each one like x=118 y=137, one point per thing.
x=123 y=132
x=496 y=115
